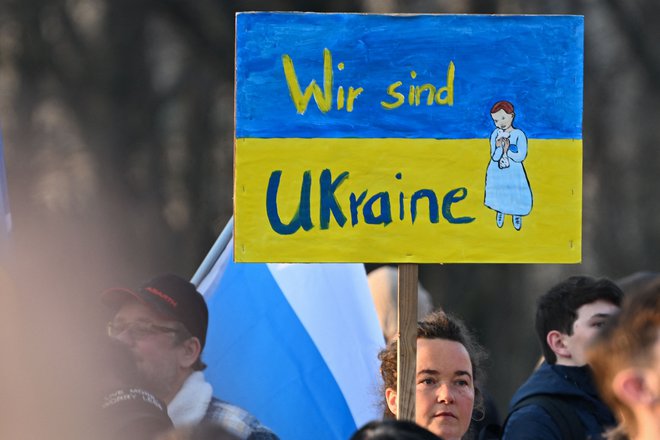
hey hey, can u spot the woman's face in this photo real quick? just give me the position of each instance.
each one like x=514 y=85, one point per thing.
x=502 y=119
x=445 y=388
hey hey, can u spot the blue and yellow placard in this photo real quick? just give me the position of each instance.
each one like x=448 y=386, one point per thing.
x=408 y=138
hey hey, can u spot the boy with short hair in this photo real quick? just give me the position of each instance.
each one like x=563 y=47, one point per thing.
x=567 y=317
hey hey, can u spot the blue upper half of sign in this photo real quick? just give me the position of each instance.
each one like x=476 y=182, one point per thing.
x=406 y=76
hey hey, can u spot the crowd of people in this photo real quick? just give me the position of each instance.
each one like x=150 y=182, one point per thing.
x=599 y=376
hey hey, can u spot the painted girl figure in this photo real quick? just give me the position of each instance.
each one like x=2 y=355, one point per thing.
x=507 y=188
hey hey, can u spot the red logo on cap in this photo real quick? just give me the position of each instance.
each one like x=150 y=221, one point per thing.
x=160 y=294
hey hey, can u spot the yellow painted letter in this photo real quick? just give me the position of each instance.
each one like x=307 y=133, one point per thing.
x=323 y=98
x=391 y=90
x=449 y=89
x=352 y=94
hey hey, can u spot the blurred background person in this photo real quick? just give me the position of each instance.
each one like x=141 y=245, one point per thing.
x=393 y=430
x=639 y=282
x=128 y=410
x=625 y=358
x=164 y=324
x=383 y=283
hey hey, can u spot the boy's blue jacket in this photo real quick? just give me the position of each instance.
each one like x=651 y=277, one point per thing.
x=571 y=384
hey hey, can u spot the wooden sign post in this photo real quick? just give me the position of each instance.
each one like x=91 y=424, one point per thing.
x=408 y=139
x=407 y=343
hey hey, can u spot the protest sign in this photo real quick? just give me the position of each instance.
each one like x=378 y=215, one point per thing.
x=408 y=138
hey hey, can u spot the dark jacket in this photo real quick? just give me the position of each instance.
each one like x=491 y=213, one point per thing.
x=571 y=384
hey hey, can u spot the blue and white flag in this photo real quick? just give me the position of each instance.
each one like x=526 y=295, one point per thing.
x=294 y=344
x=5 y=216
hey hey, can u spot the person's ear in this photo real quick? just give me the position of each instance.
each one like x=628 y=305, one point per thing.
x=390 y=398
x=631 y=387
x=190 y=351
x=555 y=340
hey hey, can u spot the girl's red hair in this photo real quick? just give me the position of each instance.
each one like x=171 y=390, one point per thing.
x=502 y=105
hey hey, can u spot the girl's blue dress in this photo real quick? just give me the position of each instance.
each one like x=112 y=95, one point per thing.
x=507 y=189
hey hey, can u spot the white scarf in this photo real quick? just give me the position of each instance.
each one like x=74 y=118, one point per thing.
x=191 y=402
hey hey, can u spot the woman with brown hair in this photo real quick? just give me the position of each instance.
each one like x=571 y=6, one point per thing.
x=447 y=376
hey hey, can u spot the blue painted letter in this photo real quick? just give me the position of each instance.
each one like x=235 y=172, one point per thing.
x=385 y=216
x=453 y=196
x=302 y=216
x=433 y=204
x=328 y=200
x=355 y=203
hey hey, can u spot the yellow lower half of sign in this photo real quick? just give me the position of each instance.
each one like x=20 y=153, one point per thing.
x=406 y=201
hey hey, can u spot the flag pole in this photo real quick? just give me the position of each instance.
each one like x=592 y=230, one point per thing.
x=215 y=252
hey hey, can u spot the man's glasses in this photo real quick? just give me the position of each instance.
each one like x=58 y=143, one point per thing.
x=138 y=330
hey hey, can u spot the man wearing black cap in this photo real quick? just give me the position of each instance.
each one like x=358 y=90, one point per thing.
x=164 y=324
